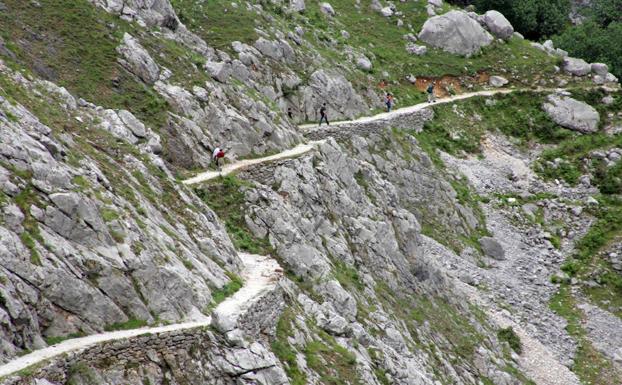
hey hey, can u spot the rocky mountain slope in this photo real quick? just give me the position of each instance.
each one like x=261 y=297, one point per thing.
x=473 y=242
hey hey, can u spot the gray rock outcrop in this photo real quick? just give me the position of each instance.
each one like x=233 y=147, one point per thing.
x=498 y=25
x=137 y=60
x=455 y=32
x=577 y=67
x=492 y=248
x=572 y=114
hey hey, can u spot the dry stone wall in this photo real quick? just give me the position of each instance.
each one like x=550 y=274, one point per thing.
x=257 y=324
x=407 y=121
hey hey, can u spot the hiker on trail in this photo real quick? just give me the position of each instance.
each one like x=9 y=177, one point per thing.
x=382 y=84
x=290 y=114
x=431 y=97
x=324 y=115
x=218 y=154
x=388 y=101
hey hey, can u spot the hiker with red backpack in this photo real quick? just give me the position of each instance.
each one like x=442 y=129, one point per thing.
x=218 y=154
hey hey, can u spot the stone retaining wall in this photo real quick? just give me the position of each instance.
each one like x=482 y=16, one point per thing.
x=406 y=121
x=258 y=322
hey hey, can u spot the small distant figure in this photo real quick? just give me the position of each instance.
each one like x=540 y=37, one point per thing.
x=217 y=155
x=431 y=97
x=382 y=84
x=324 y=114
x=290 y=113
x=388 y=101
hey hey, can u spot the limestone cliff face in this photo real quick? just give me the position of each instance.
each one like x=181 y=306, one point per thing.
x=94 y=232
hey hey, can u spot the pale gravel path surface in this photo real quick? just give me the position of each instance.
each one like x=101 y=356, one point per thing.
x=416 y=107
x=260 y=275
x=306 y=147
x=242 y=164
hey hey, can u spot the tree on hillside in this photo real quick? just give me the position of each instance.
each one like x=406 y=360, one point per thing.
x=594 y=43
x=536 y=19
x=607 y=11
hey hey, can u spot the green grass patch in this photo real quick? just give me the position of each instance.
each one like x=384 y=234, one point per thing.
x=284 y=350
x=58 y=339
x=226 y=197
x=227 y=290
x=589 y=364
x=73 y=43
x=508 y=335
x=335 y=364
x=130 y=324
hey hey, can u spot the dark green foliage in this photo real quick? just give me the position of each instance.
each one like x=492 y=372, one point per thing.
x=607 y=11
x=535 y=19
x=594 y=43
x=508 y=335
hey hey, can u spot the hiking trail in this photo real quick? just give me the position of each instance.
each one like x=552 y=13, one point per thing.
x=260 y=275
x=304 y=148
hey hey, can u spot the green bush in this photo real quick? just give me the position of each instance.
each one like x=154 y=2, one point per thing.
x=509 y=335
x=594 y=43
x=535 y=19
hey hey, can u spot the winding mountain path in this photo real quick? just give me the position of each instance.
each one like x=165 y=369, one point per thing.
x=260 y=276
x=306 y=147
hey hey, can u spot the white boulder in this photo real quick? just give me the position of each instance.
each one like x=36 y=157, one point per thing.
x=364 y=63
x=577 y=67
x=498 y=25
x=327 y=9
x=497 y=81
x=600 y=69
x=455 y=32
x=571 y=113
x=297 y=5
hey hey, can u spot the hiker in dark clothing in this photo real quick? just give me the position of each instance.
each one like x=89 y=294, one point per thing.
x=388 y=101
x=324 y=115
x=431 y=97
x=289 y=113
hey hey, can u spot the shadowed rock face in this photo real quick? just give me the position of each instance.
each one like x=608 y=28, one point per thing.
x=455 y=32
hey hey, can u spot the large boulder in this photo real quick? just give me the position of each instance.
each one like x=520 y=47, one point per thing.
x=572 y=114
x=455 y=32
x=327 y=9
x=297 y=5
x=498 y=25
x=498 y=81
x=137 y=60
x=577 y=67
x=364 y=63
x=492 y=248
x=600 y=69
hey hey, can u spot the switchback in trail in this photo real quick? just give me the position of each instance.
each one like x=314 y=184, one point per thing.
x=260 y=276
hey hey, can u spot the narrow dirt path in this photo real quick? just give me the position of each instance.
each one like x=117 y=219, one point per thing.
x=306 y=147
x=260 y=275
x=229 y=168
x=417 y=107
